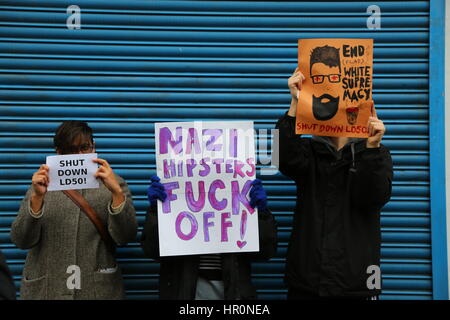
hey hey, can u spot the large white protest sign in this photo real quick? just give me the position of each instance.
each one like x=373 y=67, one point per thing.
x=73 y=171
x=207 y=169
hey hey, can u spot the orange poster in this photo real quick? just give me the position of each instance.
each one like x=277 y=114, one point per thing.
x=336 y=96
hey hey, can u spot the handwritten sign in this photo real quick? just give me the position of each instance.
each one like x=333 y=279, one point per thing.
x=207 y=169
x=73 y=171
x=336 y=96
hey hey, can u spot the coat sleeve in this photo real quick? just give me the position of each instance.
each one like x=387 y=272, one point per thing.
x=26 y=229
x=372 y=183
x=7 y=289
x=268 y=241
x=150 y=237
x=122 y=226
x=293 y=151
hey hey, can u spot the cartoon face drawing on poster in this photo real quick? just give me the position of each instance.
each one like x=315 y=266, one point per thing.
x=325 y=71
x=335 y=99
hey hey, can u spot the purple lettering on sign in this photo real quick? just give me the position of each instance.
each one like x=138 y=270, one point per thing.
x=218 y=162
x=226 y=223
x=243 y=224
x=216 y=204
x=194 y=205
x=215 y=134
x=229 y=166
x=166 y=138
x=237 y=197
x=180 y=168
x=233 y=143
x=193 y=223
x=190 y=164
x=169 y=169
x=237 y=169
x=206 y=168
x=170 y=196
x=192 y=140
x=251 y=162
x=207 y=224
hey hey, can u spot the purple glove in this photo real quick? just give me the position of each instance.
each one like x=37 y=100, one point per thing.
x=156 y=191
x=258 y=196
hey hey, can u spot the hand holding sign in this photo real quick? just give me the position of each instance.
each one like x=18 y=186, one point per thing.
x=106 y=173
x=376 y=130
x=156 y=191
x=295 y=85
x=39 y=184
x=40 y=181
x=258 y=196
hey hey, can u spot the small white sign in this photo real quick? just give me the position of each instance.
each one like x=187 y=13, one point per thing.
x=73 y=171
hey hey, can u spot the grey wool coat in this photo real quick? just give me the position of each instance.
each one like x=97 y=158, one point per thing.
x=63 y=237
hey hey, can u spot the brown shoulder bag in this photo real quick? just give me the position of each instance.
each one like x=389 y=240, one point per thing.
x=81 y=202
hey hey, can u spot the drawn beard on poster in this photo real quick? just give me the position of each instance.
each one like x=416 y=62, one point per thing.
x=325 y=71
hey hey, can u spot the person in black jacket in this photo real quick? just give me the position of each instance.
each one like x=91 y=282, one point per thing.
x=7 y=289
x=342 y=184
x=224 y=276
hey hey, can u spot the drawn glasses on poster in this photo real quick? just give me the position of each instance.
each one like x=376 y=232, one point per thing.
x=319 y=78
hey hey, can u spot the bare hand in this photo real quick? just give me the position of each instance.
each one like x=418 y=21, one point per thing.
x=40 y=180
x=295 y=83
x=376 y=130
x=106 y=173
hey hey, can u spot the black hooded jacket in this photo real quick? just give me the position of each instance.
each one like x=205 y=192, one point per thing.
x=336 y=232
x=178 y=274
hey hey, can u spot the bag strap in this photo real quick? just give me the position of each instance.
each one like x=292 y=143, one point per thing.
x=81 y=202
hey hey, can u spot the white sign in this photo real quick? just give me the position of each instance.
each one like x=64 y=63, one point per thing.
x=73 y=171
x=207 y=169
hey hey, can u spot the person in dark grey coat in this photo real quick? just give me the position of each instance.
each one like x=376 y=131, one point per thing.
x=342 y=184
x=68 y=258
x=7 y=289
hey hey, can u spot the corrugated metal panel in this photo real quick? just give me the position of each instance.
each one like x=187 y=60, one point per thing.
x=134 y=63
x=439 y=222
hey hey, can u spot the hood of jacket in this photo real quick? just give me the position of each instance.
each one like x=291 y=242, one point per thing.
x=329 y=143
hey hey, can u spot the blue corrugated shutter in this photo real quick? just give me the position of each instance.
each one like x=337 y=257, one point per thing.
x=134 y=63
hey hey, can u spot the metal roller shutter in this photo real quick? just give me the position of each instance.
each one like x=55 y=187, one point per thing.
x=137 y=62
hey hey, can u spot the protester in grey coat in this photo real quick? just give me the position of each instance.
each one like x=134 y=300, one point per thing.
x=68 y=258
